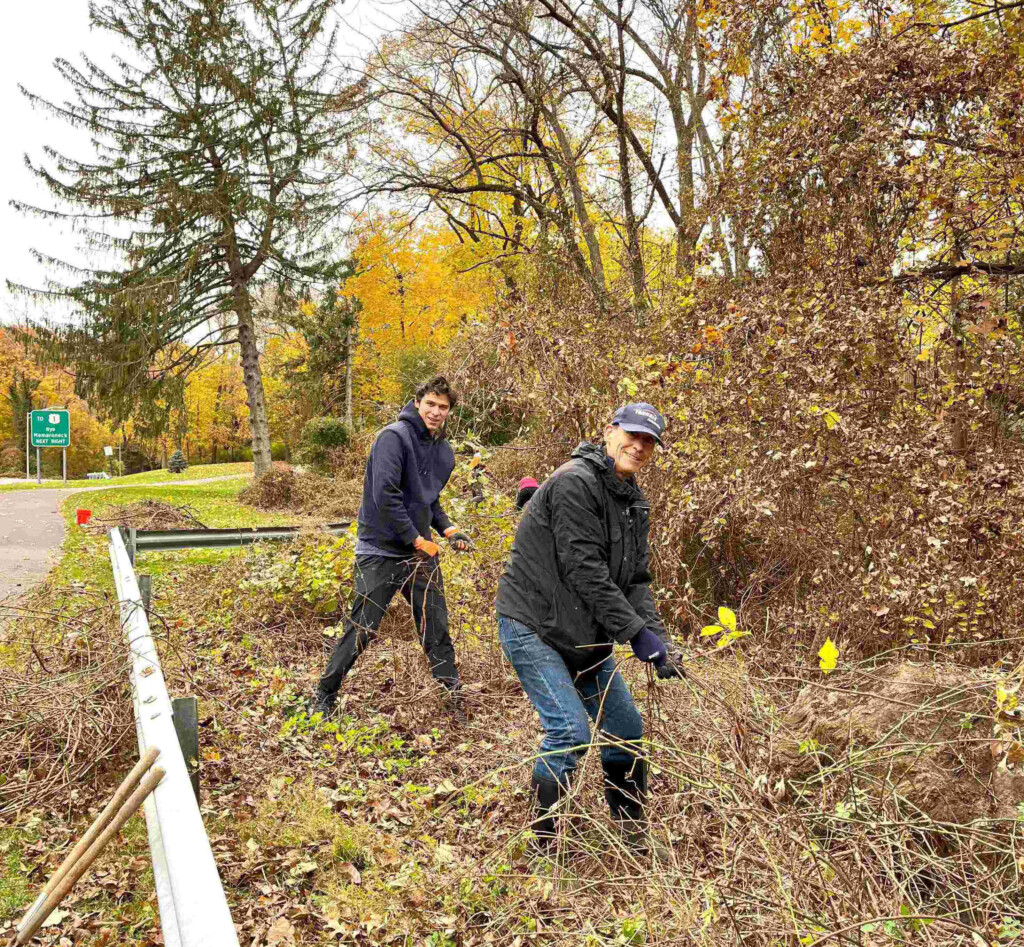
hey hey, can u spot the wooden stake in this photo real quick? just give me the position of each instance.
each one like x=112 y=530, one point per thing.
x=116 y=801
x=80 y=867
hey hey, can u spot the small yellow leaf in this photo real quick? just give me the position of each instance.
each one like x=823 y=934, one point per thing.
x=729 y=638
x=1006 y=698
x=831 y=419
x=727 y=617
x=710 y=630
x=829 y=653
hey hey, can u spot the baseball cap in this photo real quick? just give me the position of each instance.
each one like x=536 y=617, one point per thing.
x=640 y=418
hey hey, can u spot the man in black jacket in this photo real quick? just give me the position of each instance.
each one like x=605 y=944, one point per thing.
x=577 y=583
x=409 y=464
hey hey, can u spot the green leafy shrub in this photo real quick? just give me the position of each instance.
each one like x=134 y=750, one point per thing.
x=319 y=437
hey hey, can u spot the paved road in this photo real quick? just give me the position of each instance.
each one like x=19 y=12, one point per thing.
x=32 y=529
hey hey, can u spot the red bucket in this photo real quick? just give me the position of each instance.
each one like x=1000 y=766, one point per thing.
x=82 y=516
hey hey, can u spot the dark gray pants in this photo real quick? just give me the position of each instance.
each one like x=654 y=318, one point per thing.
x=377 y=578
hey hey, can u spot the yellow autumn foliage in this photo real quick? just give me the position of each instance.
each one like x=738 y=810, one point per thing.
x=417 y=285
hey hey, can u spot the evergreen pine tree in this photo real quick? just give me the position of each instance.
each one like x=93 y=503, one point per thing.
x=177 y=463
x=221 y=140
x=19 y=396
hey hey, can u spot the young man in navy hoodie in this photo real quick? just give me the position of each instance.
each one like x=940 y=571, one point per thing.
x=408 y=467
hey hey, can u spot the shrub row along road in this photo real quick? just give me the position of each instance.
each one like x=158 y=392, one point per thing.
x=32 y=529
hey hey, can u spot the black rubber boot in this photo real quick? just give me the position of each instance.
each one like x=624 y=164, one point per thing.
x=323 y=702
x=625 y=788
x=546 y=793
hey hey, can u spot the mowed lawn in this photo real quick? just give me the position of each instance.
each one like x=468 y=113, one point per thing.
x=214 y=504
x=198 y=472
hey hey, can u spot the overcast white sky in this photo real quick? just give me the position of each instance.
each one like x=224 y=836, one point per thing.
x=35 y=32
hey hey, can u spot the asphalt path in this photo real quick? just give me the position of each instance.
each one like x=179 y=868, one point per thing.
x=32 y=530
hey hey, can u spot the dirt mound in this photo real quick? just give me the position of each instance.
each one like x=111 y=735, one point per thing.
x=148 y=514
x=282 y=488
x=919 y=733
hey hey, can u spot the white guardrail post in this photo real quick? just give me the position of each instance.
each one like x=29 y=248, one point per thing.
x=193 y=909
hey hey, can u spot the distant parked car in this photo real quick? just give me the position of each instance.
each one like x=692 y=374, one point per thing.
x=97 y=476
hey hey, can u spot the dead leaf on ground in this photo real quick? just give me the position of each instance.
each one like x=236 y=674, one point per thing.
x=347 y=868
x=55 y=918
x=281 y=932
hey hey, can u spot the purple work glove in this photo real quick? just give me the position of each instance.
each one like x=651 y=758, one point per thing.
x=647 y=646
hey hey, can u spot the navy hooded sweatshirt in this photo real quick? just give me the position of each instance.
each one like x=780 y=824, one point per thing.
x=405 y=474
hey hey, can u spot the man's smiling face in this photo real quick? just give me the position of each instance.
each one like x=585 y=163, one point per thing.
x=433 y=409
x=630 y=452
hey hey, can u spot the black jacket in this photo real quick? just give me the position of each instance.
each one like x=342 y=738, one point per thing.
x=405 y=474
x=579 y=572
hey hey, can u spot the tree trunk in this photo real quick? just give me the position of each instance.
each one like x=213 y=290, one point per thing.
x=959 y=442
x=215 y=420
x=348 y=378
x=633 y=251
x=587 y=229
x=253 y=378
x=686 y=240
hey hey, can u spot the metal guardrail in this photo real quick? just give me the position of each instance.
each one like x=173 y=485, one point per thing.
x=193 y=909
x=158 y=540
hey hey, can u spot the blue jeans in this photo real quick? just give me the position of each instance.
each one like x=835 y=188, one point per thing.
x=566 y=706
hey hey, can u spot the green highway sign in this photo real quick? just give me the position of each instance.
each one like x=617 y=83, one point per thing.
x=50 y=427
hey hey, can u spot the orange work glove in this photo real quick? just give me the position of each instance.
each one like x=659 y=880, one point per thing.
x=457 y=539
x=426 y=548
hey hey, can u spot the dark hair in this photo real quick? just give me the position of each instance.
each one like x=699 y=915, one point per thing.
x=438 y=385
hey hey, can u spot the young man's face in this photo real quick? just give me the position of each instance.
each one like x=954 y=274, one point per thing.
x=631 y=452
x=434 y=410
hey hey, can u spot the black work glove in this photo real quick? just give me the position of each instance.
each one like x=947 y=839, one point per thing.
x=671 y=666
x=459 y=541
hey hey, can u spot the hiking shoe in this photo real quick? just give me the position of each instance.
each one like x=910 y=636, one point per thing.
x=457 y=710
x=323 y=703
